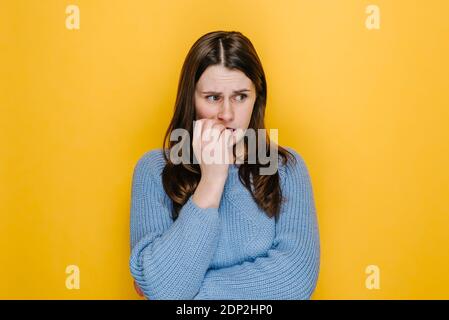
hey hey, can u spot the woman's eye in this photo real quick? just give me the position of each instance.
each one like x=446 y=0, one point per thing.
x=213 y=98
x=238 y=98
x=241 y=97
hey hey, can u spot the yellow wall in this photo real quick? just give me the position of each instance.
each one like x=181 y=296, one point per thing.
x=367 y=109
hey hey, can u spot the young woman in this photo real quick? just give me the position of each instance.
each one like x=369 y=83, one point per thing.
x=220 y=230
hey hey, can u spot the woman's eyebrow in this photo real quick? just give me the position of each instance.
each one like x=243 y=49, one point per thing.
x=217 y=93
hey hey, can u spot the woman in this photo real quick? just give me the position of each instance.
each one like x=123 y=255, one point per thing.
x=222 y=230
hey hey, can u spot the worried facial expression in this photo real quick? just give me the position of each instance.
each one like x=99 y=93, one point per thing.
x=225 y=95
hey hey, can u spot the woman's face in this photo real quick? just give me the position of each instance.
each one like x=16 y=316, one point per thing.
x=225 y=95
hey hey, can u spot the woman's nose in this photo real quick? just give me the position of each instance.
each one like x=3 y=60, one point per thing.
x=226 y=113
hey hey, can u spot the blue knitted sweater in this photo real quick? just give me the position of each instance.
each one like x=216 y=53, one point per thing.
x=233 y=252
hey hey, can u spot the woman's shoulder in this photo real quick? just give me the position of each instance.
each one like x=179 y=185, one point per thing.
x=151 y=163
x=295 y=166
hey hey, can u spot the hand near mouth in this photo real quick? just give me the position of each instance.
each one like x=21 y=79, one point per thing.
x=212 y=137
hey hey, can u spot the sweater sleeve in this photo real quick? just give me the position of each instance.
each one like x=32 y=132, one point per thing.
x=290 y=268
x=168 y=259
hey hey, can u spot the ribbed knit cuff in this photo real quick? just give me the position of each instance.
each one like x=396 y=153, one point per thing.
x=207 y=216
x=202 y=295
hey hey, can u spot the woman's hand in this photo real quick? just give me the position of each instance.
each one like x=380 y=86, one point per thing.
x=208 y=135
x=213 y=175
x=139 y=291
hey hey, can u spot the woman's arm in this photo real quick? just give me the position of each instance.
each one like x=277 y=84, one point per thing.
x=168 y=259
x=290 y=268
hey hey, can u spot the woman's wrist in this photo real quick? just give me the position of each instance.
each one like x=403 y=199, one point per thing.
x=208 y=192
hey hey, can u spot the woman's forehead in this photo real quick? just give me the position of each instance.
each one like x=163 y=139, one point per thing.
x=219 y=78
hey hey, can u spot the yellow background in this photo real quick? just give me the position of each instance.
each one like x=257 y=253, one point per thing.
x=367 y=110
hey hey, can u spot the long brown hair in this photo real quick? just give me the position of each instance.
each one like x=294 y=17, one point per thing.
x=233 y=50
